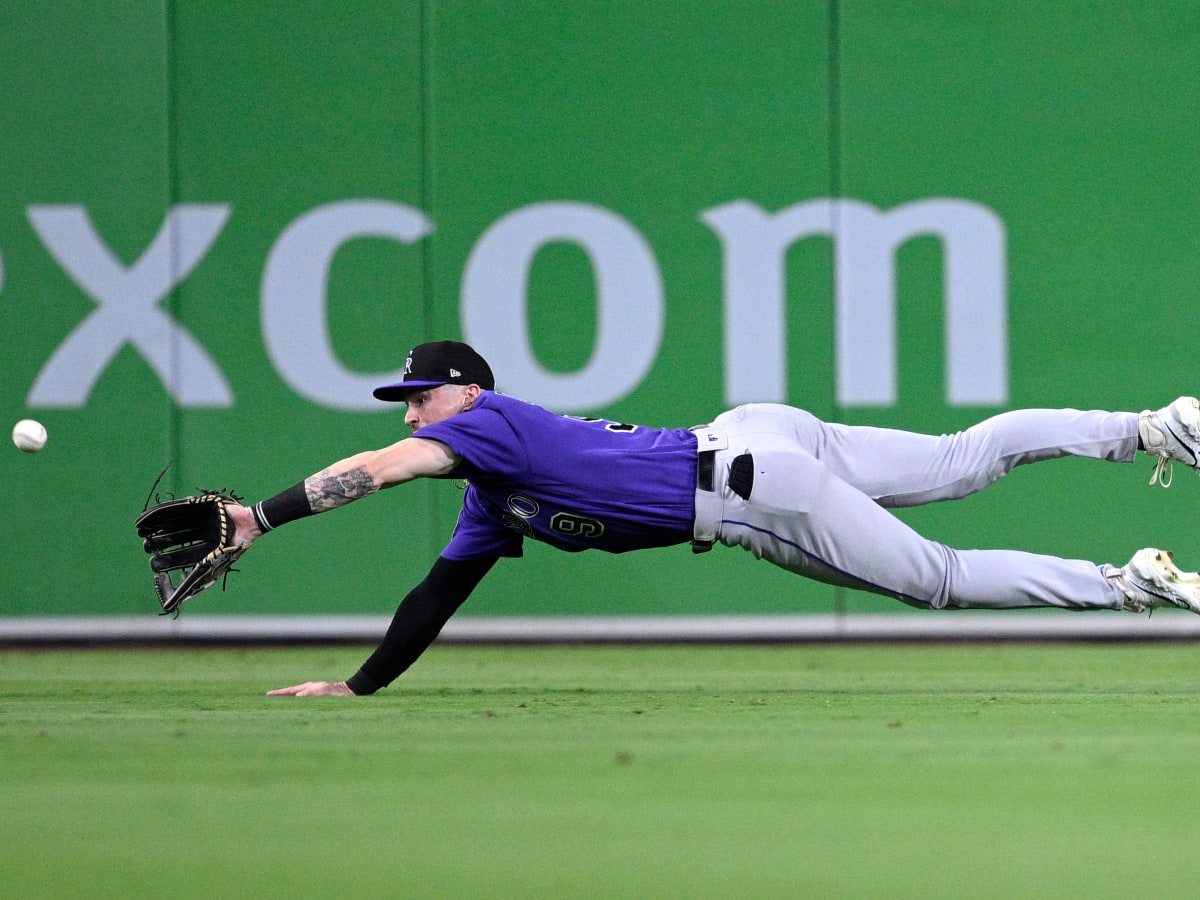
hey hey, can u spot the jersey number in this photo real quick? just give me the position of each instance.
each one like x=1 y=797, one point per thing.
x=608 y=426
x=576 y=526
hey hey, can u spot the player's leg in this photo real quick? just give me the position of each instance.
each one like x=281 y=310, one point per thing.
x=898 y=468
x=803 y=517
x=901 y=468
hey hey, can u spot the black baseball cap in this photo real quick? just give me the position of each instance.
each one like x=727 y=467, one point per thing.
x=437 y=363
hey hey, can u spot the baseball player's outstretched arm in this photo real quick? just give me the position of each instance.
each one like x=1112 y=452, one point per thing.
x=418 y=620
x=365 y=473
x=347 y=480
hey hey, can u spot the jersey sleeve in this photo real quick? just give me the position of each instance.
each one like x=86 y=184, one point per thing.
x=481 y=532
x=418 y=621
x=484 y=439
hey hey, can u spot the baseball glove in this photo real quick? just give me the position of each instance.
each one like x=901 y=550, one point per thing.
x=190 y=542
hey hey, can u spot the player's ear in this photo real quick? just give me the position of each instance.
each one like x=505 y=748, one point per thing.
x=470 y=395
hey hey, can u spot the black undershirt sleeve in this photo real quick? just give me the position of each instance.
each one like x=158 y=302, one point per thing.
x=418 y=620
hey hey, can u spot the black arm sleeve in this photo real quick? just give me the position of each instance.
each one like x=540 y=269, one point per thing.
x=418 y=620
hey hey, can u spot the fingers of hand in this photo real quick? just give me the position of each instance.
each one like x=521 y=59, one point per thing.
x=312 y=689
x=308 y=689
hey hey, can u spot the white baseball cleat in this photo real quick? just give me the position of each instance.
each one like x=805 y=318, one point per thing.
x=1151 y=580
x=1173 y=435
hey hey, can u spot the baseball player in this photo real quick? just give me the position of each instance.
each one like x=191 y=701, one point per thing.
x=809 y=496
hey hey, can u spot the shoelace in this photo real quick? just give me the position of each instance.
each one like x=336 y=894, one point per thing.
x=1164 y=472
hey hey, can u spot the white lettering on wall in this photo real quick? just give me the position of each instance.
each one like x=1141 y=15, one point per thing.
x=127 y=306
x=754 y=245
x=629 y=300
x=294 y=298
x=629 y=304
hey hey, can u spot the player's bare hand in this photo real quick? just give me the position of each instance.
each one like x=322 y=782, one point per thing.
x=314 y=689
x=245 y=528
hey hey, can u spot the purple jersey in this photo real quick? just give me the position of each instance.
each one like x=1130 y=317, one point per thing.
x=577 y=484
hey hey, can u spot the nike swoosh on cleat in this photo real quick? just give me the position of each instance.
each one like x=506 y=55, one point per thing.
x=1182 y=443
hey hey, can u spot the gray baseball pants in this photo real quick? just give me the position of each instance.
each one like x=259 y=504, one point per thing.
x=818 y=506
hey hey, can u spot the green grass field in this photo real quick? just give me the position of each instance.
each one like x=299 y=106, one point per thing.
x=777 y=771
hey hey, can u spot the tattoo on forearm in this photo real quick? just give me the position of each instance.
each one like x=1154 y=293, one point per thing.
x=325 y=491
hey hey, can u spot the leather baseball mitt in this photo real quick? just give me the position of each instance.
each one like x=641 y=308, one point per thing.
x=190 y=542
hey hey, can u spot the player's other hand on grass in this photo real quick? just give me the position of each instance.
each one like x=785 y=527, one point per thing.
x=314 y=689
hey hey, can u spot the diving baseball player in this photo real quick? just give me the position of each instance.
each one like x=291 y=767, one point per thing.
x=809 y=496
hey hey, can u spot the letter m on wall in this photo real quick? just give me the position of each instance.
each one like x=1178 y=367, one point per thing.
x=754 y=245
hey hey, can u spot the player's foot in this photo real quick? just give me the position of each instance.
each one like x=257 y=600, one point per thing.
x=1172 y=434
x=1151 y=580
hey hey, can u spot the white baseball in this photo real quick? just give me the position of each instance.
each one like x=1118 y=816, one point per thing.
x=29 y=435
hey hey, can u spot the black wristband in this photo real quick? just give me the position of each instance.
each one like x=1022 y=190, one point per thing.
x=285 y=507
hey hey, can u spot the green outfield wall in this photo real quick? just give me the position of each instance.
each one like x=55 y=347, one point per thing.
x=222 y=224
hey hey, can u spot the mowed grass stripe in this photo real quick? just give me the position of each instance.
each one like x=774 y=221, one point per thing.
x=762 y=771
